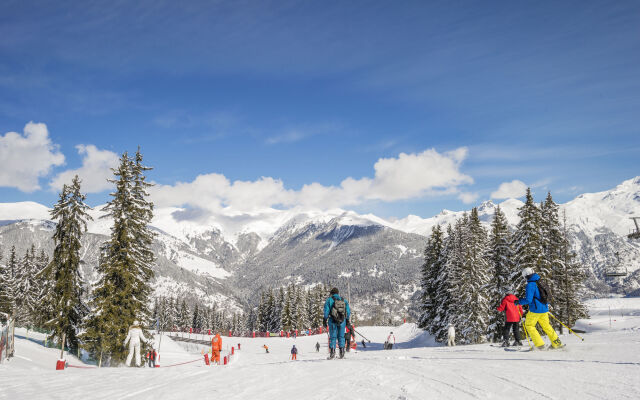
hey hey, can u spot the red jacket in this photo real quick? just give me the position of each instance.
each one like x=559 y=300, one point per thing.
x=513 y=312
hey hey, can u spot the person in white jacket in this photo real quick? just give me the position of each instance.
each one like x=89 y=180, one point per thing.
x=133 y=338
x=451 y=332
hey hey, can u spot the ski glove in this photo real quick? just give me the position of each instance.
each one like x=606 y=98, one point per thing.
x=516 y=302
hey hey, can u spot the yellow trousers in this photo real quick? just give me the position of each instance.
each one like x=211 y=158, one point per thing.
x=542 y=319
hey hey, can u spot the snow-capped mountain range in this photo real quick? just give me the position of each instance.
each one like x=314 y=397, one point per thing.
x=230 y=257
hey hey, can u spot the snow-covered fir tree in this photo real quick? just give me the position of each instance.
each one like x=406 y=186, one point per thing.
x=473 y=316
x=431 y=269
x=504 y=277
x=551 y=234
x=121 y=294
x=568 y=277
x=527 y=240
x=8 y=285
x=66 y=296
x=27 y=294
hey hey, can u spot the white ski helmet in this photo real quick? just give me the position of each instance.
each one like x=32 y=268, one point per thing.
x=136 y=322
x=527 y=271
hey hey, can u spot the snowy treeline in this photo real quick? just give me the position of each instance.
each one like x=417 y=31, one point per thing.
x=23 y=287
x=291 y=308
x=467 y=271
x=173 y=314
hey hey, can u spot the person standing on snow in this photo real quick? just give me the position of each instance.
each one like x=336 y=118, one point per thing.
x=513 y=314
x=266 y=348
x=389 y=345
x=216 y=347
x=451 y=335
x=133 y=338
x=151 y=357
x=336 y=314
x=317 y=347
x=294 y=353
x=538 y=312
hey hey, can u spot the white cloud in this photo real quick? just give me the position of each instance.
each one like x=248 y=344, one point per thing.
x=405 y=177
x=510 y=190
x=467 y=197
x=27 y=157
x=95 y=170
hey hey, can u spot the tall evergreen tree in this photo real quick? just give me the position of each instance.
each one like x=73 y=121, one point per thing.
x=473 y=283
x=122 y=292
x=505 y=278
x=8 y=285
x=431 y=269
x=27 y=290
x=65 y=298
x=527 y=240
x=569 y=277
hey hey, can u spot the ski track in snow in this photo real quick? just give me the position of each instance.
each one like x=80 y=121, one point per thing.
x=605 y=365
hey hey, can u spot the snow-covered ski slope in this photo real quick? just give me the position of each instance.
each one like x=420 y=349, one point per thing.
x=605 y=366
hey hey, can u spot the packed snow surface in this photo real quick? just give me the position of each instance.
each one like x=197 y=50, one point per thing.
x=605 y=366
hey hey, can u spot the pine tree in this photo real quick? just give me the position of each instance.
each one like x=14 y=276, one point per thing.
x=8 y=285
x=65 y=298
x=185 y=320
x=505 y=278
x=552 y=240
x=473 y=283
x=527 y=241
x=287 y=310
x=569 y=277
x=122 y=292
x=27 y=290
x=446 y=283
x=431 y=269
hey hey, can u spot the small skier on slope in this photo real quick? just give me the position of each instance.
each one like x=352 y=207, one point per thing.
x=538 y=312
x=294 y=353
x=317 y=347
x=388 y=343
x=216 y=347
x=451 y=335
x=133 y=338
x=512 y=314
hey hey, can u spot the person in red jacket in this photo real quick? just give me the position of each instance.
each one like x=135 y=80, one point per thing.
x=513 y=313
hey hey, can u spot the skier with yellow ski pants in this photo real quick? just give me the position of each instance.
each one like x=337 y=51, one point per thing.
x=538 y=312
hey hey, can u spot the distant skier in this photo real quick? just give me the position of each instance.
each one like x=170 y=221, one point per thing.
x=294 y=353
x=347 y=337
x=538 y=311
x=216 y=347
x=266 y=348
x=513 y=313
x=133 y=338
x=451 y=335
x=389 y=345
x=317 y=347
x=151 y=357
x=336 y=315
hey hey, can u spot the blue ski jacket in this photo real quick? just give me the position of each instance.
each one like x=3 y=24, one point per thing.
x=532 y=296
x=328 y=305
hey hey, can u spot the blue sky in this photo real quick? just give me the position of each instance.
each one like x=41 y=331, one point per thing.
x=547 y=94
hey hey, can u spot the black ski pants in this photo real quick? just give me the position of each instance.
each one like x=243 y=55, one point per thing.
x=511 y=326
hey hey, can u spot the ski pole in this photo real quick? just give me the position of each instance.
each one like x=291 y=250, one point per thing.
x=570 y=330
x=362 y=336
x=524 y=329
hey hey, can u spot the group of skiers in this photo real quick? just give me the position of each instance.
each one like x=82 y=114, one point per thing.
x=536 y=298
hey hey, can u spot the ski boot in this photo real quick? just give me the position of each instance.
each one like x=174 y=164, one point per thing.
x=332 y=354
x=517 y=343
x=341 y=352
x=557 y=344
x=505 y=343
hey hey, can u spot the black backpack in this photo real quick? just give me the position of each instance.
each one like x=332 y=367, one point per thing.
x=339 y=310
x=545 y=292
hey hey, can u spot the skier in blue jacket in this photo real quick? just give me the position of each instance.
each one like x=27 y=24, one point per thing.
x=337 y=314
x=538 y=312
